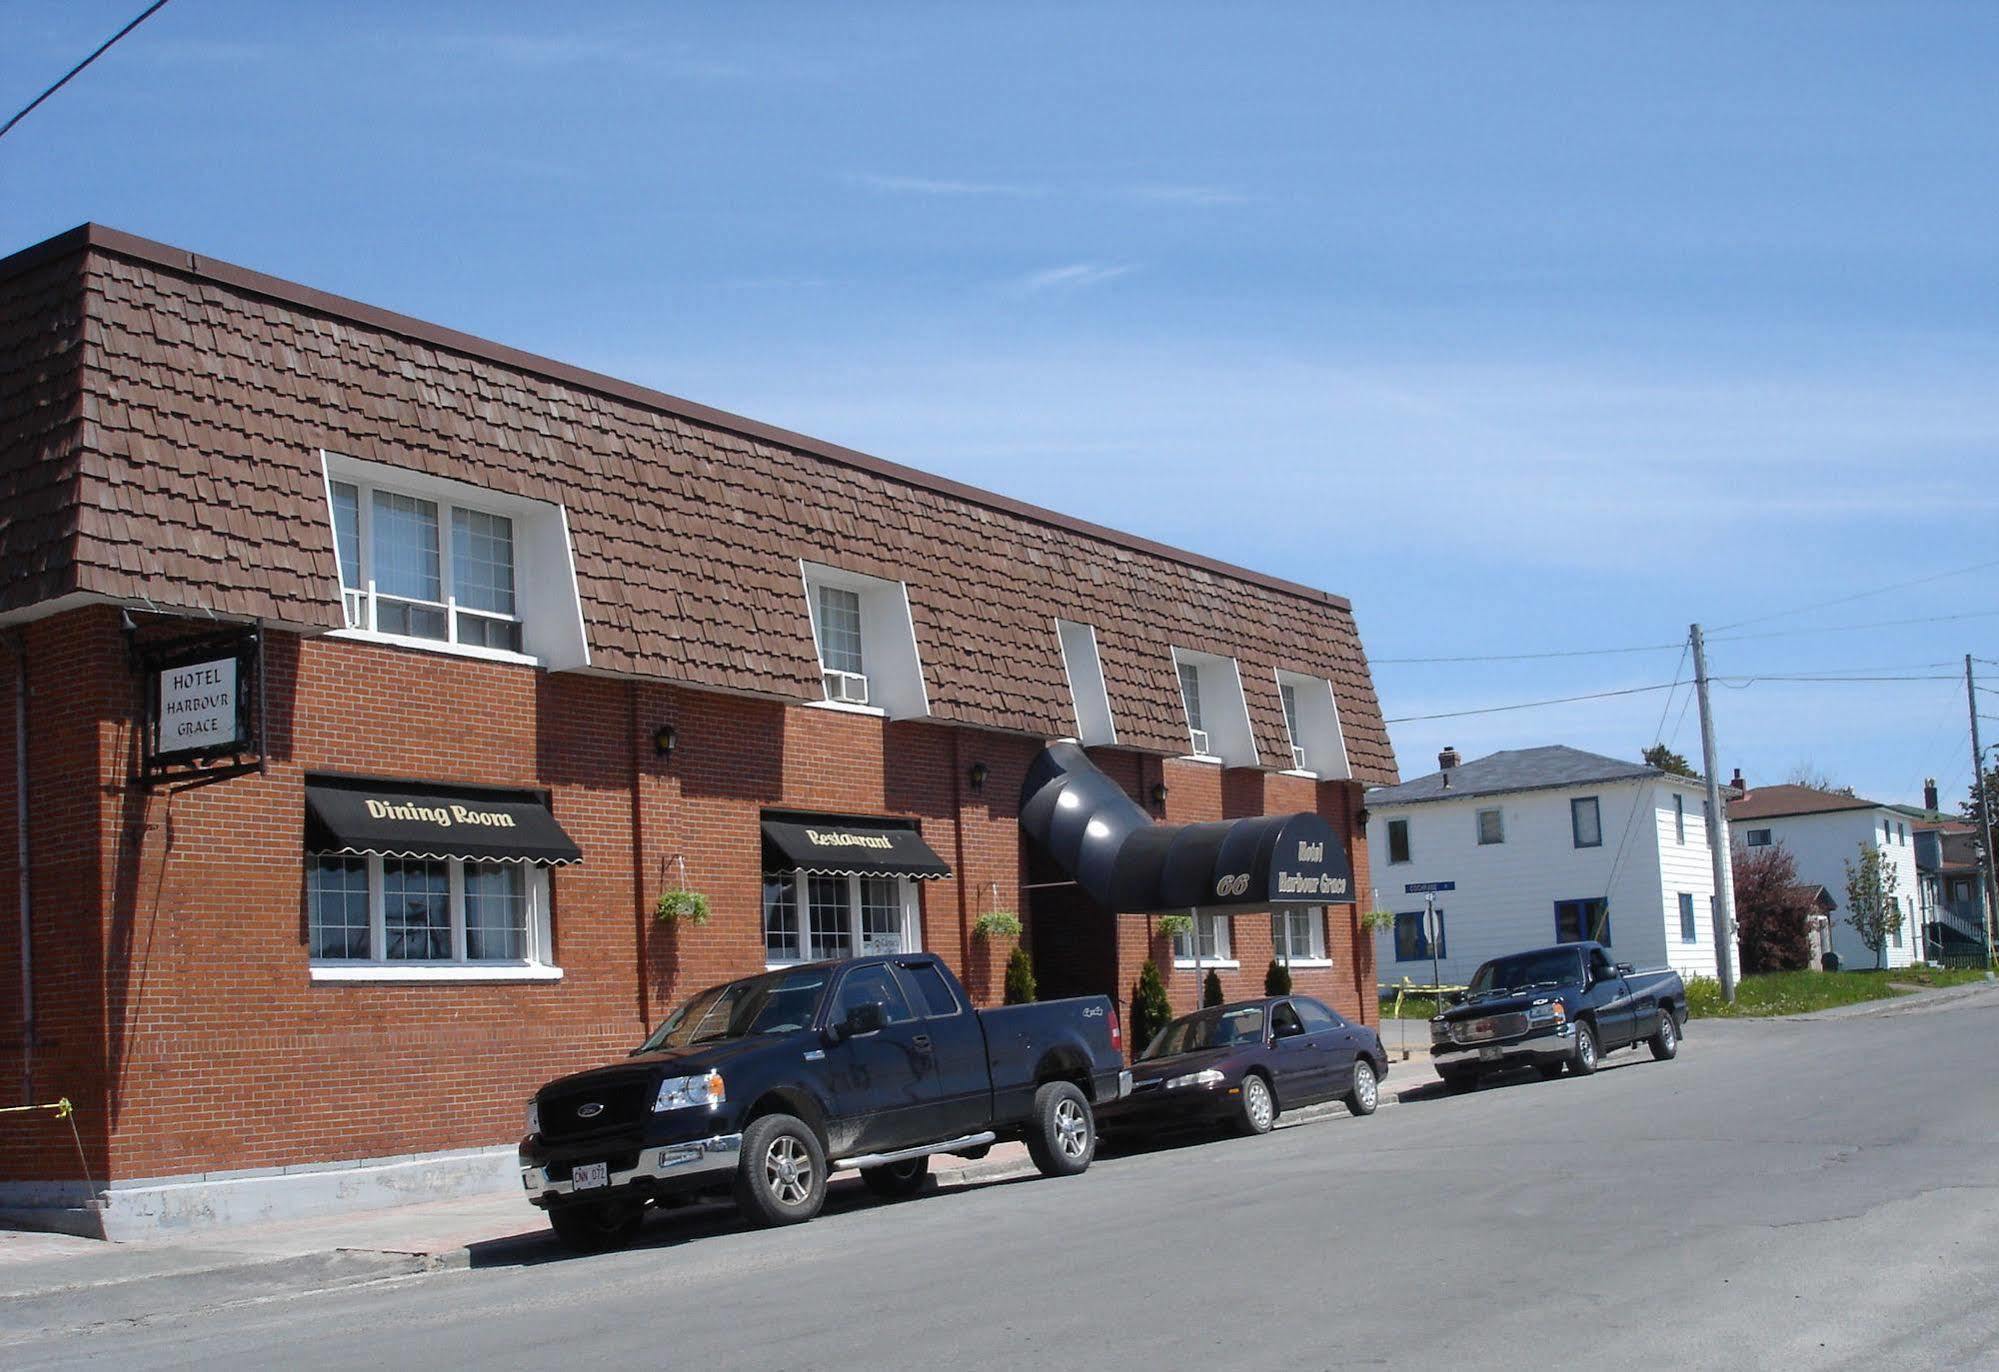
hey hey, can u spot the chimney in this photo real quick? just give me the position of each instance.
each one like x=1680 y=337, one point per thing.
x=1737 y=782
x=1930 y=794
x=1448 y=758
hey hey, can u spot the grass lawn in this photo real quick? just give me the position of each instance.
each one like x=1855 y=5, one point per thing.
x=1794 y=993
x=1413 y=1007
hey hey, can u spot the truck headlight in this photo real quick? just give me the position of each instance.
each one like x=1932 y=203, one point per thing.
x=681 y=1093
x=1553 y=1013
x=1440 y=1032
x=534 y=1117
x=1207 y=1077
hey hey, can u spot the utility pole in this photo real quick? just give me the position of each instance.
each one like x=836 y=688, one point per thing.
x=1717 y=832
x=1989 y=890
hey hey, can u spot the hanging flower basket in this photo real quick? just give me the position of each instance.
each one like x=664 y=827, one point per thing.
x=996 y=924
x=681 y=907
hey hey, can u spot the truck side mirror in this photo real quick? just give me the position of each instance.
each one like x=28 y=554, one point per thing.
x=866 y=1018
x=1457 y=998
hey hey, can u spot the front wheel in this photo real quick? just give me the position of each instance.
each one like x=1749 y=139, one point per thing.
x=1366 y=1092
x=1063 y=1137
x=1584 y=1062
x=1666 y=1038
x=1256 y=1109
x=782 y=1176
x=897 y=1180
x=597 y=1226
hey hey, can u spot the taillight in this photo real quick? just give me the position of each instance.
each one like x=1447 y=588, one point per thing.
x=1117 y=1033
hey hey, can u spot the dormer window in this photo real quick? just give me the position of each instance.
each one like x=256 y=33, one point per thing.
x=837 y=621
x=1289 y=694
x=1085 y=670
x=1217 y=715
x=1312 y=720
x=866 y=643
x=1190 y=698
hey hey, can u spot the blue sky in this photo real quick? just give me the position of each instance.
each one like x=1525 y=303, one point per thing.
x=1527 y=327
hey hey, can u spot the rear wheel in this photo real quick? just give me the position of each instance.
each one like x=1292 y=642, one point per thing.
x=1584 y=1061
x=1366 y=1092
x=896 y=1180
x=782 y=1176
x=1666 y=1038
x=598 y=1226
x=1256 y=1108
x=1063 y=1136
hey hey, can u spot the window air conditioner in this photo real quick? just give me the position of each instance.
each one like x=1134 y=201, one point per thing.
x=1298 y=759
x=849 y=688
x=1201 y=742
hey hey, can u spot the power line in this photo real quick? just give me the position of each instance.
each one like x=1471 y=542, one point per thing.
x=1739 y=683
x=1860 y=595
x=103 y=48
x=1531 y=657
x=1663 y=647
x=1850 y=628
x=1534 y=704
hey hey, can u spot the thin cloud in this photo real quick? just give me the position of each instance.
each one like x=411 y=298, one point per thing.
x=923 y=185
x=1074 y=276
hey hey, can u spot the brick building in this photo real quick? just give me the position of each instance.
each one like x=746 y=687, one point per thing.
x=632 y=644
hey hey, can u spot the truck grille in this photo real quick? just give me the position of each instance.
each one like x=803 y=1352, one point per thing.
x=1488 y=1027
x=619 y=1102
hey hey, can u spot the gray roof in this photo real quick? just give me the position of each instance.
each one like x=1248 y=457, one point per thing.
x=1516 y=769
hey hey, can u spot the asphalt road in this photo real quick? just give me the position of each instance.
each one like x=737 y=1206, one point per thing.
x=1801 y=1194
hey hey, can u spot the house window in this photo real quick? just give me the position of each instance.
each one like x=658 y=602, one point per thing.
x=1688 y=933
x=1299 y=935
x=1679 y=818
x=1085 y=670
x=1902 y=834
x=1289 y=695
x=1577 y=920
x=396 y=577
x=843 y=917
x=1895 y=929
x=1411 y=944
x=1213 y=931
x=426 y=912
x=836 y=620
x=1491 y=827
x=1190 y=699
x=1586 y=821
x=1758 y=838
x=1398 y=840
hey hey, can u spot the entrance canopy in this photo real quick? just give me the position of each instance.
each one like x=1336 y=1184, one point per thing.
x=846 y=847
x=1129 y=865
x=401 y=819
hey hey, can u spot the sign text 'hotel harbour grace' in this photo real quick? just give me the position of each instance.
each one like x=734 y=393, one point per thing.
x=198 y=706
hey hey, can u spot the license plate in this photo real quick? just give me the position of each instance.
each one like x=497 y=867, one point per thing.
x=587 y=1176
x=1488 y=1055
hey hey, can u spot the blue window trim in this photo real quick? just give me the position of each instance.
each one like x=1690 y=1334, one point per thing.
x=1582 y=909
x=1420 y=944
x=1575 y=821
x=1689 y=930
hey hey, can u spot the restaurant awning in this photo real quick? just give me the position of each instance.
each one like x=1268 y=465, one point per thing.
x=1124 y=862
x=401 y=819
x=837 y=846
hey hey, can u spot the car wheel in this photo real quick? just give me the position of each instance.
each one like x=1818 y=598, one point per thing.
x=1584 y=1061
x=1063 y=1136
x=1550 y=1070
x=896 y=1180
x=598 y=1226
x=782 y=1176
x=1457 y=1079
x=1666 y=1039
x=1256 y=1108
x=1366 y=1093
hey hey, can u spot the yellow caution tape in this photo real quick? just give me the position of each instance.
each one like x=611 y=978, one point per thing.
x=62 y=1108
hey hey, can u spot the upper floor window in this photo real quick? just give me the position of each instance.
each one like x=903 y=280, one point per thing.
x=1586 y=822
x=1288 y=693
x=1087 y=693
x=1491 y=827
x=836 y=618
x=1190 y=699
x=1398 y=840
x=1211 y=694
x=1312 y=725
x=1679 y=818
x=1756 y=838
x=866 y=642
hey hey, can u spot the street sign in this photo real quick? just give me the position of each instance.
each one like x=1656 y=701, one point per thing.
x=1417 y=888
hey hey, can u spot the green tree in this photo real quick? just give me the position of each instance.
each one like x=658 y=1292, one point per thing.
x=1277 y=979
x=1872 y=906
x=1666 y=760
x=1150 y=1010
x=1211 y=988
x=1020 y=987
x=1978 y=801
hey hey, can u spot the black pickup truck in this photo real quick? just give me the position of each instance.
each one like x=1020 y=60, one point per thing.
x=763 y=1086
x=1553 y=1009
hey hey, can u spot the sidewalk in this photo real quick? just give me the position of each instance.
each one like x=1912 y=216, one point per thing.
x=45 y=1279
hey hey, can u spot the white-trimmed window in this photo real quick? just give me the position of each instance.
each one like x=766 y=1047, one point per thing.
x=429 y=562
x=1679 y=818
x=1312 y=723
x=1298 y=936
x=815 y=918
x=836 y=620
x=381 y=918
x=866 y=643
x=1085 y=670
x=1213 y=932
x=1217 y=715
x=1491 y=827
x=1190 y=701
x=1288 y=693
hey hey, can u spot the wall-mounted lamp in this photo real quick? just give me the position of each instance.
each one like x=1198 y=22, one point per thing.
x=978 y=775
x=1361 y=816
x=1158 y=793
x=664 y=740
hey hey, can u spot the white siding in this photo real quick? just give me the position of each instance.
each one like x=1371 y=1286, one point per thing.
x=1822 y=845
x=1506 y=893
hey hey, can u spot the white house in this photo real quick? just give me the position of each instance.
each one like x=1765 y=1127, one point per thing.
x=1824 y=831
x=1540 y=846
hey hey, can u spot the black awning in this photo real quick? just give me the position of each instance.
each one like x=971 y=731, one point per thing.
x=850 y=847
x=1129 y=865
x=401 y=819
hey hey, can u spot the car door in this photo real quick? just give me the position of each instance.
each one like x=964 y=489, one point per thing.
x=1336 y=1041
x=884 y=1084
x=950 y=1033
x=1297 y=1064
x=1610 y=1000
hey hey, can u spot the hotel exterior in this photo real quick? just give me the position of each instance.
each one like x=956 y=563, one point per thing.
x=370 y=685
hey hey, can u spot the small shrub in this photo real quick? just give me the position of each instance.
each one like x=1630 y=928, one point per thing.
x=1020 y=987
x=681 y=907
x=1704 y=999
x=1277 y=979
x=1150 y=1010
x=996 y=924
x=1211 y=989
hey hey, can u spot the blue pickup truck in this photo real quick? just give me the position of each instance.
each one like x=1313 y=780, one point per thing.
x=758 y=1088
x=1556 y=1009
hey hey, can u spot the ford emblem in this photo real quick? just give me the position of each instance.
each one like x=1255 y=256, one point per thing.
x=590 y=1111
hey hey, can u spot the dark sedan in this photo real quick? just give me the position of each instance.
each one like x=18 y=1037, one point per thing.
x=1243 y=1064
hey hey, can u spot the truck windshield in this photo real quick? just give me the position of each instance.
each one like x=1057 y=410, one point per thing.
x=774 y=1003
x=1208 y=1029
x=1523 y=972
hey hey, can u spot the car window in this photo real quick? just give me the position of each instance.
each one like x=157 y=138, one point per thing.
x=875 y=982
x=1284 y=1020
x=933 y=993
x=1599 y=965
x=1207 y=1029
x=1317 y=1018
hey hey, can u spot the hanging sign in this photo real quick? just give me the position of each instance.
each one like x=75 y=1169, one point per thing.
x=204 y=705
x=198 y=707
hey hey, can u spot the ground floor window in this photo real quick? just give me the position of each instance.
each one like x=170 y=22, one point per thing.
x=1578 y=920
x=1299 y=936
x=1688 y=933
x=1412 y=944
x=843 y=917
x=1213 y=933
x=425 y=914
